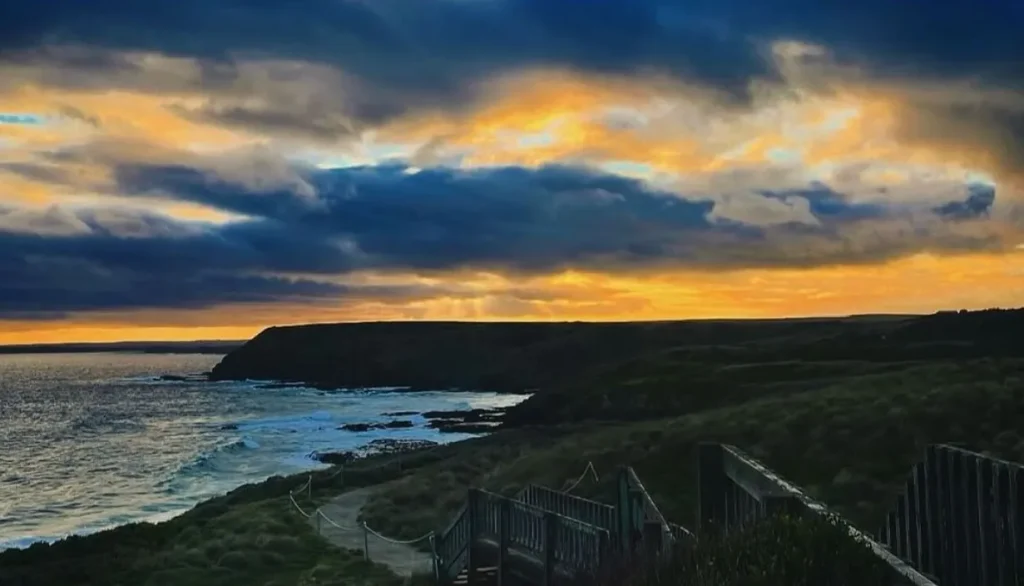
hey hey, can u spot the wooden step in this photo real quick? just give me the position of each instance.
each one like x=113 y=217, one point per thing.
x=484 y=575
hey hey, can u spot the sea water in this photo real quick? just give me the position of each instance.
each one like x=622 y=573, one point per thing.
x=92 y=441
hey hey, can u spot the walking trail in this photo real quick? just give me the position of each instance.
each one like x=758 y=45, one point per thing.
x=344 y=530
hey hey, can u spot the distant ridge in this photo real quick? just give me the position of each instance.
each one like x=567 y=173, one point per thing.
x=194 y=347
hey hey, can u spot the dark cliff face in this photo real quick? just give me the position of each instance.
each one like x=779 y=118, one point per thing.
x=508 y=357
x=619 y=370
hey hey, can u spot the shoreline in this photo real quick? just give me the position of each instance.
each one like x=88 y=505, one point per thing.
x=444 y=422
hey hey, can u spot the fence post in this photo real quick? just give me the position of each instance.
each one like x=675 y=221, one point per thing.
x=366 y=542
x=987 y=562
x=309 y=485
x=550 y=544
x=625 y=523
x=434 y=559
x=504 y=516
x=710 y=485
x=652 y=538
x=317 y=513
x=931 y=528
x=473 y=502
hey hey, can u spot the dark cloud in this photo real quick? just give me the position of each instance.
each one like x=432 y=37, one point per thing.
x=978 y=203
x=439 y=45
x=399 y=55
x=110 y=260
x=391 y=219
x=555 y=217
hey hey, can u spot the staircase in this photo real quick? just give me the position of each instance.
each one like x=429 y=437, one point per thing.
x=544 y=535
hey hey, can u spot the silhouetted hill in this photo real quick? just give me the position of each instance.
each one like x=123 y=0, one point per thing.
x=627 y=370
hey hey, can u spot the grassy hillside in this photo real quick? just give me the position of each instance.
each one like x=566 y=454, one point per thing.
x=850 y=443
x=843 y=408
x=252 y=535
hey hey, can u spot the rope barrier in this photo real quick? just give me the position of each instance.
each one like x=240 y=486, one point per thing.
x=590 y=468
x=397 y=541
x=334 y=523
x=304 y=513
x=367 y=530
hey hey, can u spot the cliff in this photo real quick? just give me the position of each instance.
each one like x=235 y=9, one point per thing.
x=509 y=357
x=516 y=357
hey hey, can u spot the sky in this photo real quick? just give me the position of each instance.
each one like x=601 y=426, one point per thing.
x=202 y=169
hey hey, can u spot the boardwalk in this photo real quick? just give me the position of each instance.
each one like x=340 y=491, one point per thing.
x=958 y=522
x=344 y=530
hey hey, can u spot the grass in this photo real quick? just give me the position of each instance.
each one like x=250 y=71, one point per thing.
x=780 y=550
x=850 y=444
x=252 y=535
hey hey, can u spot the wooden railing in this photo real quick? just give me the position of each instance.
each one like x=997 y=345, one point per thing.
x=735 y=489
x=557 y=542
x=960 y=518
x=451 y=547
x=959 y=521
x=567 y=505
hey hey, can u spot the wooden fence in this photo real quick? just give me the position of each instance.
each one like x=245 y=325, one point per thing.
x=557 y=543
x=960 y=519
x=734 y=489
x=568 y=505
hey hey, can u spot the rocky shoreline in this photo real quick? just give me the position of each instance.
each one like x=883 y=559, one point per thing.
x=458 y=421
x=374 y=448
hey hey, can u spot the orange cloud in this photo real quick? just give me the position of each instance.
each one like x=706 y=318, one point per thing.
x=919 y=284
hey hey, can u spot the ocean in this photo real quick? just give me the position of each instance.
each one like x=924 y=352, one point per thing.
x=92 y=441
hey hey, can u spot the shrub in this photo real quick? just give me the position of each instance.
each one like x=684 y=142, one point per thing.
x=779 y=551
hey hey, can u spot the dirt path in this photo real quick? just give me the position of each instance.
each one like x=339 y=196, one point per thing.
x=347 y=532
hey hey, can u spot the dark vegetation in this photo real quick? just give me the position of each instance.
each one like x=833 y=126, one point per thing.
x=843 y=408
x=777 y=551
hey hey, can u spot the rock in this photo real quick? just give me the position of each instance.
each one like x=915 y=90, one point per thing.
x=400 y=413
x=393 y=424
x=358 y=427
x=395 y=446
x=398 y=424
x=229 y=427
x=173 y=378
x=334 y=457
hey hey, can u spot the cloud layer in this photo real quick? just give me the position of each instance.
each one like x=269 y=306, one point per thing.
x=335 y=153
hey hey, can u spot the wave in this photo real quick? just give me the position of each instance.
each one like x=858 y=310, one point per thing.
x=204 y=462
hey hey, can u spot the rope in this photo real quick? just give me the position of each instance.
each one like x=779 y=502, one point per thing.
x=590 y=468
x=303 y=487
x=334 y=523
x=396 y=541
x=304 y=513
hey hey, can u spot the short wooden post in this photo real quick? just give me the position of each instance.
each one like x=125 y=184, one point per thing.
x=317 y=513
x=309 y=486
x=987 y=561
x=931 y=528
x=504 y=516
x=366 y=542
x=710 y=485
x=475 y=517
x=550 y=547
x=434 y=559
x=623 y=507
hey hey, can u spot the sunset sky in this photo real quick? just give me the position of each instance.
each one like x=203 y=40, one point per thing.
x=201 y=169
